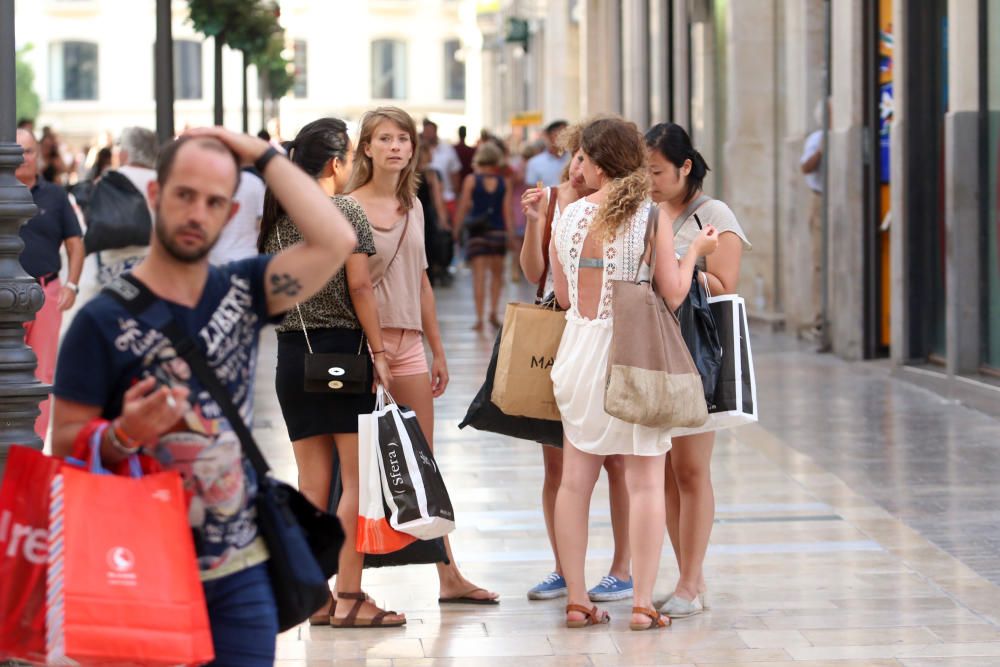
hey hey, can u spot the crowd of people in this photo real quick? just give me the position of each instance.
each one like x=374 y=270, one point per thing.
x=341 y=243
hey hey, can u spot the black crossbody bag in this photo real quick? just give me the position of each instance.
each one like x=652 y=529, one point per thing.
x=303 y=541
x=334 y=372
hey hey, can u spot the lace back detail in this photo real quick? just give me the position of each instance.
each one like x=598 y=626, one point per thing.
x=622 y=254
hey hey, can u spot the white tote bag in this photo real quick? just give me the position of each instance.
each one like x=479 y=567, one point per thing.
x=736 y=390
x=413 y=490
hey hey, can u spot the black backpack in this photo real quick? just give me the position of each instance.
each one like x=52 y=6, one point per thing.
x=117 y=215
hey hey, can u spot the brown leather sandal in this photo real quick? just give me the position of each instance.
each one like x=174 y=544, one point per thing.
x=323 y=617
x=591 y=617
x=656 y=619
x=352 y=621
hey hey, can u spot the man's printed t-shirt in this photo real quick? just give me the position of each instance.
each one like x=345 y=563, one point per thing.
x=106 y=350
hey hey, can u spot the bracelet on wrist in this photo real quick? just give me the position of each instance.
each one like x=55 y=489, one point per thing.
x=122 y=441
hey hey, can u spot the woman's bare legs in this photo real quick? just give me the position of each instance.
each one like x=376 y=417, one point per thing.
x=351 y=562
x=414 y=391
x=580 y=473
x=618 y=491
x=496 y=286
x=691 y=465
x=673 y=499
x=647 y=521
x=552 y=460
x=479 y=288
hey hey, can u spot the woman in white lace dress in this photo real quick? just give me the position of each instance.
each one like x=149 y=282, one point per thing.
x=600 y=239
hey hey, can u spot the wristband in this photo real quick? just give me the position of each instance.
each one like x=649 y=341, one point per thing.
x=73 y=287
x=122 y=441
x=261 y=163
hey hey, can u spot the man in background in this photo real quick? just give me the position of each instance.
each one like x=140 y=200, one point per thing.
x=811 y=164
x=547 y=166
x=239 y=238
x=465 y=153
x=445 y=161
x=53 y=226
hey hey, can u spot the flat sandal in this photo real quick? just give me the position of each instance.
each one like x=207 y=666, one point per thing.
x=656 y=620
x=352 y=620
x=590 y=616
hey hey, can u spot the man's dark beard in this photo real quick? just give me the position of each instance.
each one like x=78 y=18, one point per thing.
x=180 y=255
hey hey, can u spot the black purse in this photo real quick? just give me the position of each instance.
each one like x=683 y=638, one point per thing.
x=303 y=542
x=334 y=372
x=117 y=215
x=478 y=225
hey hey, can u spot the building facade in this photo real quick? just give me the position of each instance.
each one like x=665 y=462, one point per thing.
x=93 y=62
x=910 y=268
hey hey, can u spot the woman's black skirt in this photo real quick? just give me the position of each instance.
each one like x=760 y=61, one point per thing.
x=307 y=414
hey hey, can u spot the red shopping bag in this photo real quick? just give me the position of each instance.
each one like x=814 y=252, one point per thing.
x=122 y=582
x=24 y=521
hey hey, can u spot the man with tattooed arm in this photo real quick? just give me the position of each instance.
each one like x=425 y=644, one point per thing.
x=120 y=378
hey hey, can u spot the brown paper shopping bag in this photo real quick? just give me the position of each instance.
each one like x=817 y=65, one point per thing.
x=522 y=386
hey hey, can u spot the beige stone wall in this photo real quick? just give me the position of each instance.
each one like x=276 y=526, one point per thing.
x=749 y=152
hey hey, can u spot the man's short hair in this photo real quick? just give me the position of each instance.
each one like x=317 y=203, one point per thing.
x=168 y=155
x=25 y=123
x=429 y=123
x=555 y=126
x=141 y=145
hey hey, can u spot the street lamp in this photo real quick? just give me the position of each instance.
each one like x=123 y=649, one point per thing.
x=20 y=295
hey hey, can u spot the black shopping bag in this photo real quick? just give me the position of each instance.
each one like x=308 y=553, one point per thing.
x=701 y=336
x=484 y=415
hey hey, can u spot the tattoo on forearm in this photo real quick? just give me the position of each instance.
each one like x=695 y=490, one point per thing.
x=285 y=283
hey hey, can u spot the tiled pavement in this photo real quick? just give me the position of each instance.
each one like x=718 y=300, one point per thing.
x=854 y=527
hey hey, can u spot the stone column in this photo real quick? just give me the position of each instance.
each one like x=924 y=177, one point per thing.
x=803 y=71
x=635 y=61
x=749 y=152
x=20 y=295
x=560 y=81
x=963 y=146
x=600 y=57
x=845 y=166
x=682 y=64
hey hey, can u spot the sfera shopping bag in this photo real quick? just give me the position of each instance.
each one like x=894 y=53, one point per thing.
x=122 y=584
x=413 y=490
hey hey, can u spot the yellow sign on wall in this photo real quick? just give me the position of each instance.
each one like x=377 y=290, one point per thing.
x=526 y=119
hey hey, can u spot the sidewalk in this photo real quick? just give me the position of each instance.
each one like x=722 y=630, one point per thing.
x=857 y=524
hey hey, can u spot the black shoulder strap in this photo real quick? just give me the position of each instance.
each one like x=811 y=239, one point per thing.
x=136 y=297
x=687 y=212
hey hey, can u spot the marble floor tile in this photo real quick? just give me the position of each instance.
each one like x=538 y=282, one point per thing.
x=845 y=535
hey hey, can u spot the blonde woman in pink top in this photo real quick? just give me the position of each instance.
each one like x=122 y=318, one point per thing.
x=384 y=183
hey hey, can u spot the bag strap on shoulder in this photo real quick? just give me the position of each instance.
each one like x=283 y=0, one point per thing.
x=687 y=212
x=136 y=297
x=649 y=243
x=547 y=238
x=402 y=237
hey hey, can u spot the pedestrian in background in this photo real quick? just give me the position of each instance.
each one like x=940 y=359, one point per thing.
x=340 y=318
x=484 y=209
x=677 y=173
x=811 y=164
x=53 y=227
x=438 y=243
x=444 y=159
x=599 y=239
x=617 y=584
x=239 y=238
x=384 y=183
x=144 y=395
x=547 y=166
x=465 y=153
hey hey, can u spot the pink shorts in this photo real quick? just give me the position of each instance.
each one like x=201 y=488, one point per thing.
x=404 y=350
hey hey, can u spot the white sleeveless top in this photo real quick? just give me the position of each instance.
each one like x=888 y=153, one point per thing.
x=622 y=254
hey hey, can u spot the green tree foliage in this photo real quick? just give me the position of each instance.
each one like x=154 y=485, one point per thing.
x=26 y=99
x=251 y=27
